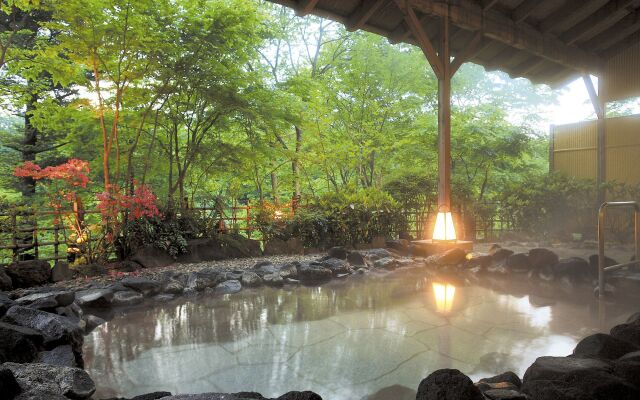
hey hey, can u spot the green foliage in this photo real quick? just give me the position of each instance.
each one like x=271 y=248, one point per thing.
x=167 y=235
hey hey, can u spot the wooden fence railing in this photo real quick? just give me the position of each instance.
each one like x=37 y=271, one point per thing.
x=41 y=235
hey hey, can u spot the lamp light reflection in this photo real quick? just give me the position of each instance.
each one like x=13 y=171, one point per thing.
x=444 y=294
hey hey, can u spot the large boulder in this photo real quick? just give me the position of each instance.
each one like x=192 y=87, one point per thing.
x=629 y=331
x=388 y=263
x=518 y=263
x=61 y=272
x=572 y=378
x=200 y=280
x=55 y=329
x=29 y=273
x=300 y=396
x=5 y=303
x=540 y=257
x=448 y=384
x=313 y=273
x=61 y=355
x=603 y=346
x=337 y=266
x=399 y=245
x=127 y=298
x=228 y=287
x=265 y=267
x=18 y=343
x=72 y=383
x=508 y=376
x=376 y=254
x=146 y=286
x=575 y=268
x=94 y=298
x=90 y=270
x=47 y=300
x=453 y=256
x=5 y=280
x=250 y=279
x=9 y=387
x=152 y=257
x=288 y=270
x=235 y=245
x=277 y=246
x=338 y=252
x=199 y=250
x=356 y=259
x=274 y=280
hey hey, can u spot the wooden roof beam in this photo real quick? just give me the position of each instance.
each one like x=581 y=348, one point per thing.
x=305 y=7
x=610 y=13
x=362 y=14
x=525 y=9
x=527 y=66
x=422 y=38
x=469 y=15
x=468 y=52
x=625 y=27
x=622 y=45
x=572 y=12
x=488 y=4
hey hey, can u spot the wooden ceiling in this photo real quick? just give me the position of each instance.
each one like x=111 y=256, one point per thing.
x=546 y=41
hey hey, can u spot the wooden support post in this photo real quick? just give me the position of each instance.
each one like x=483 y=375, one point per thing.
x=444 y=122
x=600 y=108
x=14 y=234
x=552 y=138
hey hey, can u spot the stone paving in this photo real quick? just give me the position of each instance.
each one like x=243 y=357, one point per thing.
x=344 y=340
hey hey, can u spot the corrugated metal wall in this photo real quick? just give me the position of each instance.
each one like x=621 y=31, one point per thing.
x=621 y=79
x=574 y=149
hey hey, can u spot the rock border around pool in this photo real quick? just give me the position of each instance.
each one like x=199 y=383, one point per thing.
x=41 y=329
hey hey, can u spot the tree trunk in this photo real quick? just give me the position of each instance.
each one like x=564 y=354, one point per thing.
x=28 y=150
x=295 y=165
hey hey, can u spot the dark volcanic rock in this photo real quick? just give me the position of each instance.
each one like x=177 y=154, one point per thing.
x=152 y=257
x=5 y=280
x=274 y=280
x=9 y=387
x=199 y=250
x=540 y=257
x=235 y=245
x=18 y=343
x=453 y=256
x=338 y=252
x=603 y=346
x=518 y=263
x=128 y=266
x=25 y=274
x=61 y=272
x=386 y=263
x=300 y=396
x=228 y=287
x=5 y=303
x=92 y=322
x=54 y=328
x=94 y=298
x=508 y=376
x=47 y=300
x=146 y=286
x=265 y=267
x=61 y=355
x=499 y=254
x=629 y=331
x=73 y=383
x=504 y=394
x=575 y=268
x=571 y=378
x=288 y=270
x=356 y=259
x=376 y=254
x=313 y=273
x=448 y=384
x=198 y=281
x=127 y=298
x=91 y=270
x=593 y=262
x=400 y=245
x=217 y=396
x=250 y=279
x=337 y=266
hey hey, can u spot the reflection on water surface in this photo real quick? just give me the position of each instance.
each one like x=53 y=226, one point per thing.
x=344 y=340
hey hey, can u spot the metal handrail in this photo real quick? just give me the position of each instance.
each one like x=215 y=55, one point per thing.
x=602 y=268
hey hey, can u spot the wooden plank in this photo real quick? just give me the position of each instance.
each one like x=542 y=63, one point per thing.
x=621 y=45
x=525 y=9
x=622 y=29
x=464 y=55
x=469 y=15
x=305 y=7
x=572 y=12
x=528 y=65
x=362 y=14
x=608 y=14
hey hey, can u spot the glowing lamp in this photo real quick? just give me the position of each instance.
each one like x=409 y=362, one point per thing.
x=444 y=294
x=278 y=215
x=444 y=230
